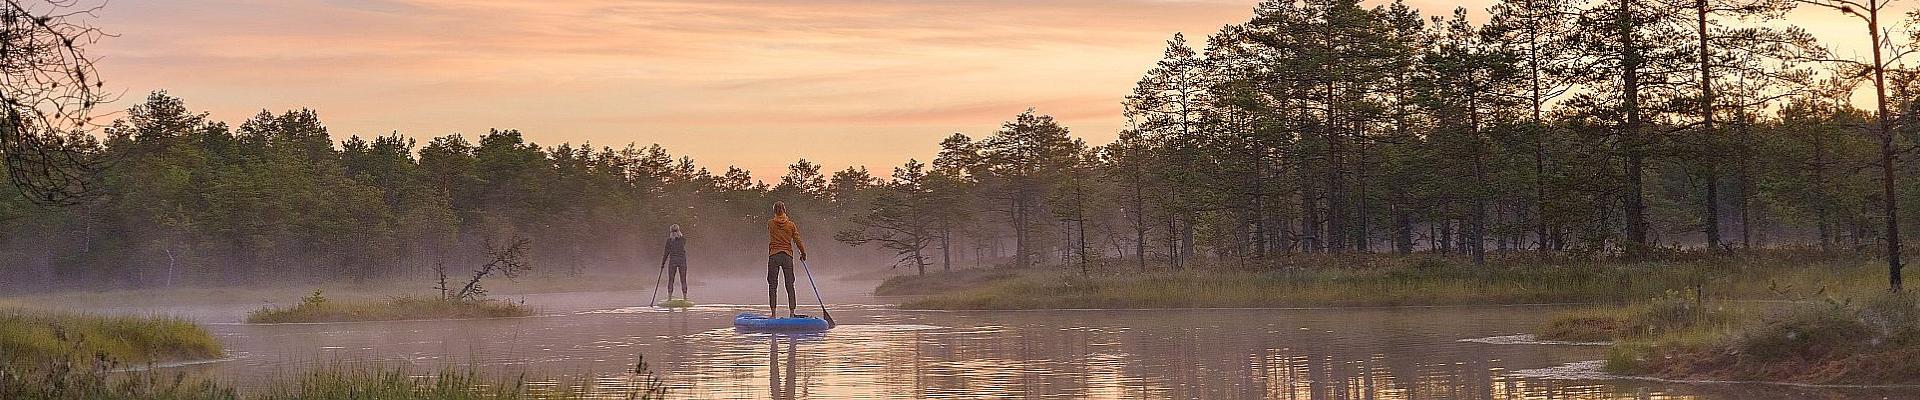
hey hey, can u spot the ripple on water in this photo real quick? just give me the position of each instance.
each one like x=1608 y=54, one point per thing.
x=710 y=307
x=635 y=310
x=883 y=328
x=1578 y=370
x=1530 y=339
x=177 y=364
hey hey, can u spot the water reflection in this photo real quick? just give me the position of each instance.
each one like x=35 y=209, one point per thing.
x=782 y=389
x=879 y=352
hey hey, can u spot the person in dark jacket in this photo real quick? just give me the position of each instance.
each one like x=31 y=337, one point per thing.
x=675 y=260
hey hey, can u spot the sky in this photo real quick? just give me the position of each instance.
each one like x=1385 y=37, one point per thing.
x=752 y=83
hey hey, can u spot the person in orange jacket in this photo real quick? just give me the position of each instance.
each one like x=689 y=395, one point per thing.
x=784 y=239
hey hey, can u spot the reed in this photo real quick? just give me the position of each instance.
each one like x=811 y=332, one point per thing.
x=317 y=308
x=38 y=336
x=1325 y=281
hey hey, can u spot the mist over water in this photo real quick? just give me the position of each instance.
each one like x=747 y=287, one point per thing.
x=883 y=352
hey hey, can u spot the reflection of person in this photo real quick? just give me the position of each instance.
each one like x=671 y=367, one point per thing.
x=783 y=239
x=675 y=260
x=779 y=388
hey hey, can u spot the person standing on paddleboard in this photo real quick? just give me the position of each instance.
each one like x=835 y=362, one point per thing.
x=675 y=260
x=783 y=240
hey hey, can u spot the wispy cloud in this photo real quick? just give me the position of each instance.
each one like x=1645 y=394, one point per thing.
x=701 y=76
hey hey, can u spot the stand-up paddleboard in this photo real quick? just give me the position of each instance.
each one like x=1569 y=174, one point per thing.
x=748 y=321
x=677 y=303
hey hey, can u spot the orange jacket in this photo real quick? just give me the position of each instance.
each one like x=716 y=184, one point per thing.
x=784 y=236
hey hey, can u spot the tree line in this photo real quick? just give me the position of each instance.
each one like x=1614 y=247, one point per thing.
x=189 y=200
x=1612 y=128
x=1607 y=128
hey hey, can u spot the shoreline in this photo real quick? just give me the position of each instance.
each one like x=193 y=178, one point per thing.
x=84 y=299
x=1602 y=375
x=1373 y=281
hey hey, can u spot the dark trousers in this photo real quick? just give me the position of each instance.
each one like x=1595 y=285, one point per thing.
x=777 y=264
x=679 y=269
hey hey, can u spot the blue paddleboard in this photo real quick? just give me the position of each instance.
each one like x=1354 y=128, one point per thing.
x=760 y=322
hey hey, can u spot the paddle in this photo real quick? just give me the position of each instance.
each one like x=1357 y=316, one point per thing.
x=816 y=294
x=656 y=282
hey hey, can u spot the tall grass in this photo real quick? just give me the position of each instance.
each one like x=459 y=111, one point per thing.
x=56 y=355
x=352 y=383
x=1683 y=312
x=337 y=381
x=1858 y=340
x=317 y=308
x=35 y=336
x=941 y=282
x=1391 y=280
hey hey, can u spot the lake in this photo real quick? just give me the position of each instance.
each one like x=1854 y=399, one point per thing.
x=879 y=351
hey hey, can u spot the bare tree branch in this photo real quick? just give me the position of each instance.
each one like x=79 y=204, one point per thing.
x=49 y=87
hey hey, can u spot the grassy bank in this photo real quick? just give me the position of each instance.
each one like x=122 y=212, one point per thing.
x=62 y=356
x=29 y=337
x=55 y=355
x=1679 y=313
x=1378 y=281
x=292 y=292
x=318 y=308
x=1871 y=339
x=326 y=383
x=905 y=285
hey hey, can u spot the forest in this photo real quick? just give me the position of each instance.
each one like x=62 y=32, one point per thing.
x=1616 y=128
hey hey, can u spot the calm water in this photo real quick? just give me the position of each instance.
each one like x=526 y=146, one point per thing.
x=880 y=352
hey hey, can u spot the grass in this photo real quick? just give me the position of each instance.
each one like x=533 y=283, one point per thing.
x=39 y=336
x=345 y=383
x=1675 y=312
x=317 y=308
x=1380 y=281
x=1835 y=325
x=337 y=381
x=941 y=282
x=1819 y=341
x=48 y=355
x=285 y=293
x=56 y=355
x=1587 y=325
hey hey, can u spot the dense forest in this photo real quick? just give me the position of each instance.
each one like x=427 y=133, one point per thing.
x=1609 y=128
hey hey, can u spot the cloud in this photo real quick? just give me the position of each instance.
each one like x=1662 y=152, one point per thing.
x=887 y=78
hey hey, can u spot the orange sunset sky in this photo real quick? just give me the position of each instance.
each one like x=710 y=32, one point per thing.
x=754 y=83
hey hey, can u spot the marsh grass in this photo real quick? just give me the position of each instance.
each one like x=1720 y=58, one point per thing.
x=58 y=355
x=336 y=381
x=1324 y=281
x=941 y=282
x=1677 y=312
x=345 y=382
x=318 y=308
x=363 y=291
x=1587 y=325
x=1825 y=340
x=39 y=336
